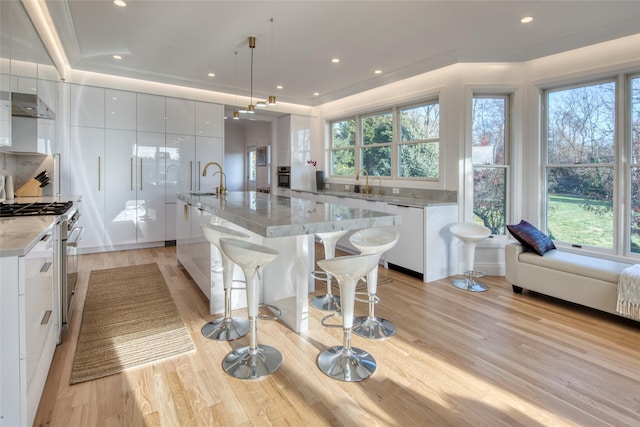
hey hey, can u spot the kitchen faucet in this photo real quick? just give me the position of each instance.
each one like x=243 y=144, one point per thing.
x=367 y=189
x=222 y=190
x=380 y=190
x=224 y=175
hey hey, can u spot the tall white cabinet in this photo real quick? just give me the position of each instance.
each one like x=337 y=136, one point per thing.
x=129 y=155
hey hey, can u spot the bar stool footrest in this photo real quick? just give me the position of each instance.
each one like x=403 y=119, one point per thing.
x=324 y=320
x=274 y=309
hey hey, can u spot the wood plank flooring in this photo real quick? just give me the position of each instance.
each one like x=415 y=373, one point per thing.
x=459 y=359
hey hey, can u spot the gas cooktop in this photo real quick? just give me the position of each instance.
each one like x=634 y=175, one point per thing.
x=36 y=208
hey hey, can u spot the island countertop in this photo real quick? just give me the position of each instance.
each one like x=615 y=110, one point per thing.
x=270 y=215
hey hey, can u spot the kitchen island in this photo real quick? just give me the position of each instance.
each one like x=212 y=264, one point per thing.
x=286 y=224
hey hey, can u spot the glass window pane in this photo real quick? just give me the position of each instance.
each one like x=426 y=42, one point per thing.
x=419 y=123
x=580 y=195
x=635 y=123
x=635 y=210
x=343 y=133
x=377 y=161
x=489 y=195
x=488 y=131
x=377 y=129
x=581 y=125
x=342 y=163
x=419 y=160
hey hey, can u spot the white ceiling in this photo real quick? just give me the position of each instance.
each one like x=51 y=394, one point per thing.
x=179 y=42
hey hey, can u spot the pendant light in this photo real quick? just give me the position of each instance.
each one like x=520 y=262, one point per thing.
x=252 y=45
x=272 y=98
x=236 y=114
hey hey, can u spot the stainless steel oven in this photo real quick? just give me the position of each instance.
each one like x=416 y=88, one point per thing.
x=284 y=176
x=70 y=235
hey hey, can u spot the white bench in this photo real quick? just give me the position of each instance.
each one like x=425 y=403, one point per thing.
x=585 y=280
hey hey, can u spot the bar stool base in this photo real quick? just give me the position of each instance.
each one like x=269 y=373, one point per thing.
x=469 y=284
x=328 y=302
x=226 y=328
x=373 y=327
x=346 y=365
x=247 y=364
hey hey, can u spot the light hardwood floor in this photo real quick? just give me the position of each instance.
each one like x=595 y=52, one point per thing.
x=459 y=359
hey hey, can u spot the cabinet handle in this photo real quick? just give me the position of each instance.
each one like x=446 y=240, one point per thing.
x=190 y=175
x=131 y=173
x=186 y=212
x=99 y=173
x=59 y=180
x=45 y=267
x=46 y=317
x=140 y=174
x=45 y=238
x=198 y=189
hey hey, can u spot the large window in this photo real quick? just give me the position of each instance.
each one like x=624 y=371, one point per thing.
x=580 y=164
x=634 y=169
x=402 y=142
x=489 y=137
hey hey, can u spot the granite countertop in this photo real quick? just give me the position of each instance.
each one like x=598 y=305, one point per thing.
x=392 y=200
x=18 y=235
x=269 y=215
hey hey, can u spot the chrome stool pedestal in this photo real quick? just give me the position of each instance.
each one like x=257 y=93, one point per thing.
x=470 y=233
x=376 y=240
x=254 y=361
x=347 y=363
x=329 y=301
x=226 y=328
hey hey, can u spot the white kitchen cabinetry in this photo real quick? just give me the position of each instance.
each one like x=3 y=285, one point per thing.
x=181 y=116
x=120 y=110
x=208 y=149
x=209 y=119
x=87 y=106
x=27 y=331
x=87 y=178
x=193 y=251
x=150 y=187
x=409 y=251
x=150 y=113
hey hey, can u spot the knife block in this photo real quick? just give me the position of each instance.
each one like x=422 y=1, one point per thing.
x=30 y=189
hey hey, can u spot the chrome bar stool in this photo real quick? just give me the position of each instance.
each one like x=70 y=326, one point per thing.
x=328 y=302
x=253 y=361
x=347 y=363
x=470 y=233
x=226 y=328
x=376 y=240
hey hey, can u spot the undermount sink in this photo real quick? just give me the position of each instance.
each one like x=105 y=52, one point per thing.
x=203 y=193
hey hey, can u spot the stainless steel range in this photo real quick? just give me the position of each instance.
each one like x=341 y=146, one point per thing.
x=66 y=235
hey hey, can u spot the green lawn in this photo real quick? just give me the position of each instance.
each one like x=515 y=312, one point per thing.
x=569 y=222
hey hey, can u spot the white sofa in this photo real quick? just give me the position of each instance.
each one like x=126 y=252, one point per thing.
x=581 y=279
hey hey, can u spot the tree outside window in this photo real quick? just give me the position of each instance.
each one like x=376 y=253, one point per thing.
x=489 y=133
x=634 y=173
x=343 y=141
x=419 y=145
x=377 y=136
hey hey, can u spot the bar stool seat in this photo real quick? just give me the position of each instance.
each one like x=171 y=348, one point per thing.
x=347 y=363
x=253 y=361
x=470 y=233
x=329 y=301
x=375 y=240
x=226 y=328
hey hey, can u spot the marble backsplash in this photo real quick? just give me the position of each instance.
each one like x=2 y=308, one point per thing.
x=23 y=167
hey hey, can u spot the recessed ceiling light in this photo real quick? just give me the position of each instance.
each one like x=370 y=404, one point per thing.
x=335 y=60
x=316 y=93
x=120 y=3
x=527 y=19
x=211 y=74
x=117 y=57
x=279 y=87
x=377 y=72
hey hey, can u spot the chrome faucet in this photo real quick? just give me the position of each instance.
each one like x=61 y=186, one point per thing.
x=367 y=189
x=222 y=190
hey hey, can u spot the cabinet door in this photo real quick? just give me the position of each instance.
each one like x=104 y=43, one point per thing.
x=409 y=251
x=5 y=107
x=180 y=167
x=150 y=113
x=183 y=230
x=208 y=150
x=209 y=119
x=120 y=110
x=121 y=205
x=87 y=106
x=87 y=179
x=150 y=188
x=181 y=116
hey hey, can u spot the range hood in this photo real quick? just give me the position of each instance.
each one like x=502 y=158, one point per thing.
x=29 y=105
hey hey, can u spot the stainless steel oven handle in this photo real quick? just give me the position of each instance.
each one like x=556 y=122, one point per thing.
x=74 y=237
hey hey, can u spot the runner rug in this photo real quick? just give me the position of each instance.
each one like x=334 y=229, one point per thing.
x=129 y=320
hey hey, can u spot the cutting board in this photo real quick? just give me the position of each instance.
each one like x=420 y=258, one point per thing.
x=30 y=189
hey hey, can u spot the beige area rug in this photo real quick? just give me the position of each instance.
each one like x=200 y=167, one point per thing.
x=129 y=319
